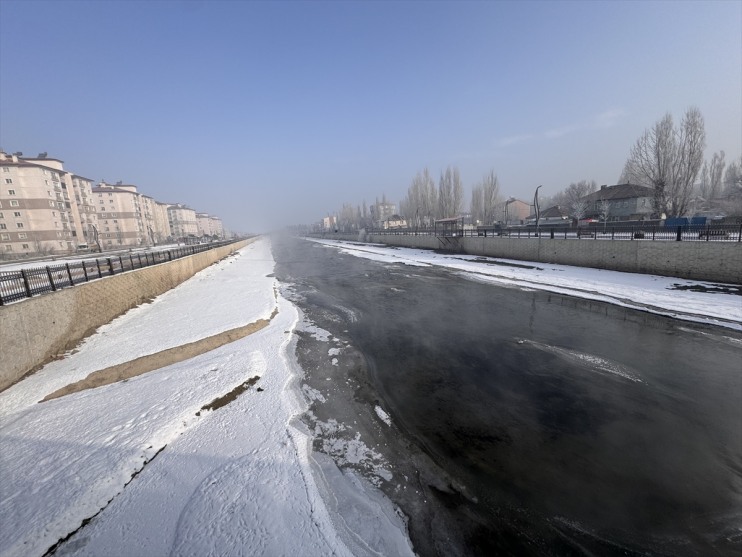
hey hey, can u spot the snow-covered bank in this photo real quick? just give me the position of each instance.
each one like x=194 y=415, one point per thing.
x=169 y=475
x=696 y=301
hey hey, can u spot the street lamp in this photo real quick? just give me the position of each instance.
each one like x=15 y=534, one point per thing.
x=536 y=207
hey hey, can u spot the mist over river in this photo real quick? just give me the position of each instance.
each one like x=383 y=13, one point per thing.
x=526 y=422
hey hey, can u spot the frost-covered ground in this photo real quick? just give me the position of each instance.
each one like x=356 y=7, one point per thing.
x=161 y=474
x=679 y=298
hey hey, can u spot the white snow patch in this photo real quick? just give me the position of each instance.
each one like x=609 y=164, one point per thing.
x=383 y=415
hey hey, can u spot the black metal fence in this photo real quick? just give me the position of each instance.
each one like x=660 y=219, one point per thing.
x=24 y=283
x=653 y=232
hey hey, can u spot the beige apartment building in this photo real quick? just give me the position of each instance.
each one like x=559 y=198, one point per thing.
x=183 y=223
x=44 y=209
x=120 y=218
x=209 y=225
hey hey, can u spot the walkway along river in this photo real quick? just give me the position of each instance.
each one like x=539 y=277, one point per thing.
x=526 y=422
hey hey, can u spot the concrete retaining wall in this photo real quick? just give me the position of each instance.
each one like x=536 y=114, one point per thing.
x=707 y=261
x=34 y=331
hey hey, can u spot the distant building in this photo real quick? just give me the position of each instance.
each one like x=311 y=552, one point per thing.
x=329 y=223
x=182 y=221
x=381 y=212
x=209 y=225
x=124 y=216
x=43 y=208
x=395 y=221
x=625 y=202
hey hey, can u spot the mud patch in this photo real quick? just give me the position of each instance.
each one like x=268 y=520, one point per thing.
x=713 y=289
x=223 y=400
x=151 y=362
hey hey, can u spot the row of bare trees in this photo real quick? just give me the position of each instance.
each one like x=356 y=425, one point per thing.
x=666 y=158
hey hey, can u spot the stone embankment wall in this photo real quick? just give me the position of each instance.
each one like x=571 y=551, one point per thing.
x=34 y=331
x=712 y=261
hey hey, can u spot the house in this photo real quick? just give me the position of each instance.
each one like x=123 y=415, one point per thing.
x=621 y=202
x=395 y=221
x=552 y=215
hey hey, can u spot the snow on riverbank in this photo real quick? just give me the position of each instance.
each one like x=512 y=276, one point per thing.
x=674 y=297
x=169 y=462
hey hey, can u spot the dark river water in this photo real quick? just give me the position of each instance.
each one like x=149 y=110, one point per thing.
x=562 y=426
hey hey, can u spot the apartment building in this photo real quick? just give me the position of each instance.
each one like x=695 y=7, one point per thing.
x=161 y=226
x=183 y=223
x=209 y=225
x=44 y=209
x=120 y=219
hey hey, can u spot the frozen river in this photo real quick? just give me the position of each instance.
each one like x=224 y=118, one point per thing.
x=527 y=422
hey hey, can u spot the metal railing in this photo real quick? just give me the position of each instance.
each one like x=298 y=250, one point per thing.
x=651 y=232
x=25 y=283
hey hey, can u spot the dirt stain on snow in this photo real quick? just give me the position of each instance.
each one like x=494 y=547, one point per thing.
x=151 y=362
x=230 y=396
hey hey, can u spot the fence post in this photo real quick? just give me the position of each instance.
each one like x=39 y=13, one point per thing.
x=131 y=260
x=679 y=235
x=26 y=283
x=69 y=274
x=551 y=234
x=708 y=232
x=121 y=263
x=739 y=236
x=51 y=279
x=139 y=256
x=110 y=265
x=100 y=273
x=613 y=233
x=169 y=256
x=85 y=271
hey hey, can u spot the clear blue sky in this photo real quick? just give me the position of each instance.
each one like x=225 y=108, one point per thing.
x=274 y=113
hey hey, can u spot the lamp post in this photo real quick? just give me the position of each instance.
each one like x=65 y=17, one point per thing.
x=536 y=207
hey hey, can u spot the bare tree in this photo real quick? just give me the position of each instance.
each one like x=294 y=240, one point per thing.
x=572 y=194
x=604 y=208
x=577 y=209
x=477 y=204
x=733 y=177
x=445 y=194
x=490 y=196
x=668 y=160
x=716 y=171
x=458 y=193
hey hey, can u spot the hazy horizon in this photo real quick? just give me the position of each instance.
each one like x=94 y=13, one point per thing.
x=279 y=113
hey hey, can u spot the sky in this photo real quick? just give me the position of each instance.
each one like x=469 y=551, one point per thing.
x=268 y=114
x=211 y=473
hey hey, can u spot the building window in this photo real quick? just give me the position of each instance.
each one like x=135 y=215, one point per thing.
x=2 y=226
x=52 y=204
x=5 y=237
x=8 y=247
x=22 y=236
x=8 y=180
x=6 y=169
x=102 y=215
x=102 y=202
x=1 y=215
x=11 y=192
x=25 y=246
x=19 y=225
x=16 y=213
x=14 y=203
x=59 y=234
